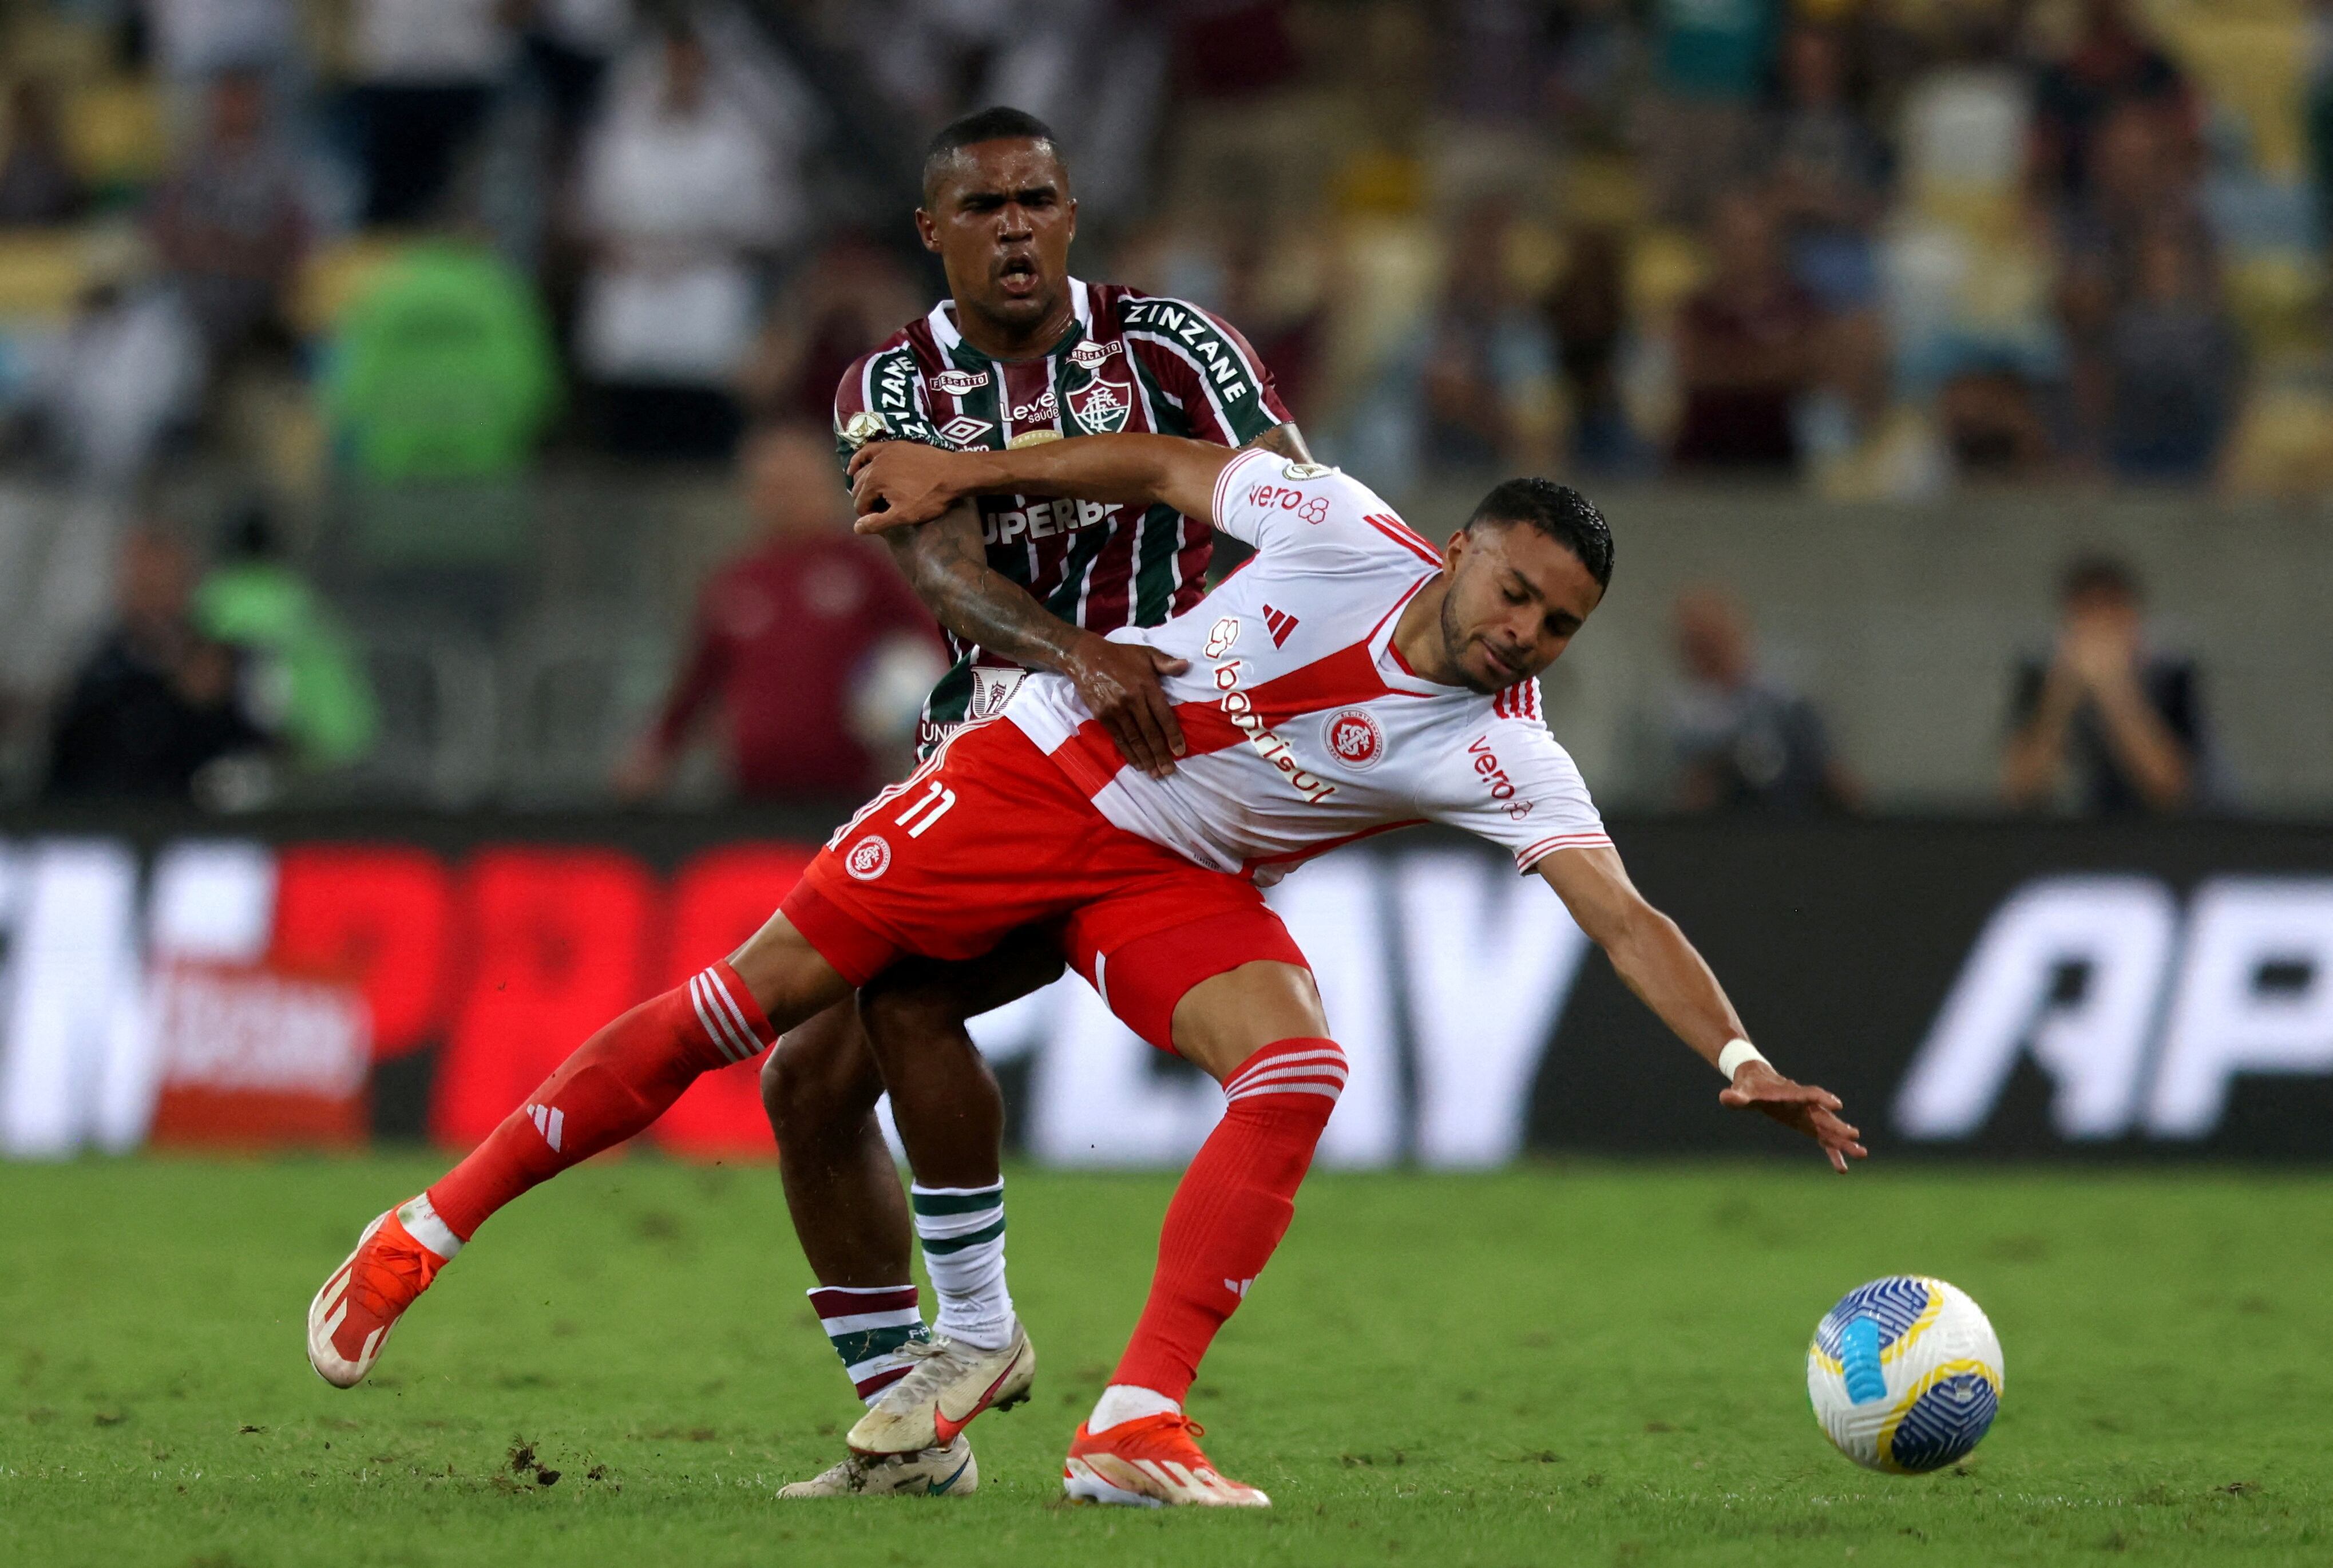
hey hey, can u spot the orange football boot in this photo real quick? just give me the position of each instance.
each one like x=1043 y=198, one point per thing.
x=1151 y=1462
x=350 y=1320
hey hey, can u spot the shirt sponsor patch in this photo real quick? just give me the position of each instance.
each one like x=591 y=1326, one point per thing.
x=1305 y=470
x=959 y=383
x=864 y=427
x=1090 y=355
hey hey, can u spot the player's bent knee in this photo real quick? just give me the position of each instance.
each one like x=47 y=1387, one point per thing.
x=1225 y=1019
x=791 y=980
x=820 y=1078
x=890 y=1015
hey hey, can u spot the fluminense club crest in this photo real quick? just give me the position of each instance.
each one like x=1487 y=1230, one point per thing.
x=1102 y=407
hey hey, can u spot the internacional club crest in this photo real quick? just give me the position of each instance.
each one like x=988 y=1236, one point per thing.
x=1355 y=738
x=869 y=858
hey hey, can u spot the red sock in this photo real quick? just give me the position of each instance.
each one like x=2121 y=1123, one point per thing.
x=1232 y=1207
x=616 y=1083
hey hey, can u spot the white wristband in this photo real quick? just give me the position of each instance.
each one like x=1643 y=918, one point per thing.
x=1737 y=1052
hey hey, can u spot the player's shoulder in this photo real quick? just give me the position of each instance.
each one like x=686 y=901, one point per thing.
x=1508 y=723
x=1122 y=306
x=1270 y=472
x=1333 y=504
x=910 y=341
x=1519 y=703
x=881 y=393
x=1166 y=324
x=1496 y=750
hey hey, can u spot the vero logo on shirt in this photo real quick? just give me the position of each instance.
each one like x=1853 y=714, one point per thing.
x=1495 y=779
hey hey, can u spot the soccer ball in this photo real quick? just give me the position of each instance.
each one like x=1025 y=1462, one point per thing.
x=1904 y=1374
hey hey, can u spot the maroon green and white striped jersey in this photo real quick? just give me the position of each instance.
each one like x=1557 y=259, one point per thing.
x=1128 y=362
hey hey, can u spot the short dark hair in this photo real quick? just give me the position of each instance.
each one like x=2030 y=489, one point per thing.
x=2096 y=573
x=1558 y=511
x=998 y=124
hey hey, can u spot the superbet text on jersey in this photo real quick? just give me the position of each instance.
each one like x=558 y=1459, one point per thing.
x=1306 y=727
x=1128 y=362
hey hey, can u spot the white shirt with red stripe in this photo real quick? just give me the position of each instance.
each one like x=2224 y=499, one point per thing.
x=1306 y=727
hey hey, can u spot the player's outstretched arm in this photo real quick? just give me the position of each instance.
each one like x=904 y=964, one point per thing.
x=1656 y=962
x=899 y=483
x=948 y=566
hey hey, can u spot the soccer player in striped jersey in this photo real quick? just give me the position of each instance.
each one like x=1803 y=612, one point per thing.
x=1020 y=352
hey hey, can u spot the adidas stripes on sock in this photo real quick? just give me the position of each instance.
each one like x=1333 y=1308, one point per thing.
x=1231 y=1208
x=616 y=1083
x=866 y=1326
x=961 y=1231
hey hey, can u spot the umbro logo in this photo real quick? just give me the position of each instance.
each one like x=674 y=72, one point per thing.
x=1279 y=623
x=551 y=1123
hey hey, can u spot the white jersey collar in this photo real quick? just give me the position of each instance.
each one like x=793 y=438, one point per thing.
x=1390 y=667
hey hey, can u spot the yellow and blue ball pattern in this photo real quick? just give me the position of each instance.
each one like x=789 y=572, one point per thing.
x=1904 y=1374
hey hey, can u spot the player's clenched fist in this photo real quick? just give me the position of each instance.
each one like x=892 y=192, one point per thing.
x=899 y=483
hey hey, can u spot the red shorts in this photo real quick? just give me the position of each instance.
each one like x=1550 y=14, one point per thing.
x=990 y=835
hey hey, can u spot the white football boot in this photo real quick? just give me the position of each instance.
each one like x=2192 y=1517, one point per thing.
x=949 y=1384
x=949 y=1471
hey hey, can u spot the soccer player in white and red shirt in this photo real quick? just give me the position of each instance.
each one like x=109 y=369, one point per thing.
x=1352 y=678
x=1019 y=351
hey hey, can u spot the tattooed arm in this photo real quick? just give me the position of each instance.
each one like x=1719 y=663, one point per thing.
x=948 y=566
x=1287 y=440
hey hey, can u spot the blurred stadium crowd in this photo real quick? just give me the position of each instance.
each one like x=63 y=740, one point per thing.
x=381 y=380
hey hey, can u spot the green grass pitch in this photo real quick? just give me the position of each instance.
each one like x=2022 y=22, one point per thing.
x=1563 y=1364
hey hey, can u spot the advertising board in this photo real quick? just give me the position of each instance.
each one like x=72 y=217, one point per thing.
x=2031 y=990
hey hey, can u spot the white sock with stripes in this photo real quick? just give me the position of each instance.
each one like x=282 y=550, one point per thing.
x=868 y=1325
x=961 y=1229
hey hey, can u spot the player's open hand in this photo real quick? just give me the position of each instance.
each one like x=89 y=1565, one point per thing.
x=1812 y=1110
x=899 y=483
x=1119 y=684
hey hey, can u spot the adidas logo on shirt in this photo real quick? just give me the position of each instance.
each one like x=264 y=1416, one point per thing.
x=1279 y=623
